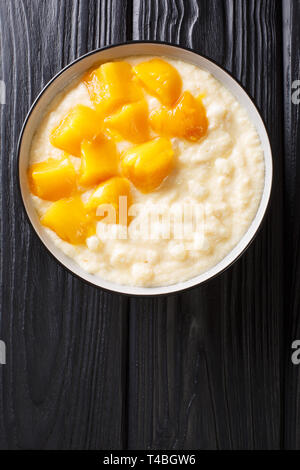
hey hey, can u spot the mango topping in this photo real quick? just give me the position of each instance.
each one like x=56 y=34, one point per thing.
x=131 y=122
x=80 y=123
x=69 y=219
x=99 y=161
x=52 y=179
x=121 y=112
x=111 y=85
x=147 y=165
x=187 y=119
x=109 y=193
x=160 y=79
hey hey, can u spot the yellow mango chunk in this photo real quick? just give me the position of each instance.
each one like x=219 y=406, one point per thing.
x=160 y=79
x=52 y=179
x=147 y=165
x=131 y=122
x=187 y=119
x=111 y=85
x=69 y=219
x=80 y=123
x=99 y=161
x=110 y=192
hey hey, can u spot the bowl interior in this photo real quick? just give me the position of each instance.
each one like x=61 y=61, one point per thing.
x=76 y=69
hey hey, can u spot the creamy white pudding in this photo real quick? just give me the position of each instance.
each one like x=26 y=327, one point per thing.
x=222 y=175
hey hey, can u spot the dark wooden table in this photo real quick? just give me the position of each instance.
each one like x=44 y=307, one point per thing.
x=206 y=369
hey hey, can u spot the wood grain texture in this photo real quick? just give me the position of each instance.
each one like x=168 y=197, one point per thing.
x=64 y=382
x=205 y=367
x=291 y=72
x=199 y=370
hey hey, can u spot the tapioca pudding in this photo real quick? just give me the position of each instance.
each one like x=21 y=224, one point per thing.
x=146 y=171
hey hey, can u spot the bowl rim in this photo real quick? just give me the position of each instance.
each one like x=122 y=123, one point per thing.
x=190 y=283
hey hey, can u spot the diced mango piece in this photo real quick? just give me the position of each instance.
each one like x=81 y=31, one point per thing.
x=131 y=122
x=110 y=192
x=52 y=179
x=111 y=85
x=99 y=161
x=147 y=165
x=80 y=123
x=187 y=119
x=69 y=219
x=160 y=79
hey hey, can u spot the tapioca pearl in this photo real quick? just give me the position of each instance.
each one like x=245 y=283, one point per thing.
x=151 y=256
x=222 y=210
x=216 y=113
x=142 y=273
x=211 y=225
x=250 y=140
x=240 y=203
x=244 y=191
x=223 y=233
x=119 y=255
x=89 y=265
x=216 y=110
x=198 y=241
x=223 y=166
x=203 y=172
x=198 y=190
x=205 y=76
x=244 y=184
x=93 y=243
x=223 y=181
x=237 y=158
x=177 y=250
x=217 y=142
x=257 y=159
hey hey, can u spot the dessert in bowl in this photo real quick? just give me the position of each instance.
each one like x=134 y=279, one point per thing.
x=146 y=172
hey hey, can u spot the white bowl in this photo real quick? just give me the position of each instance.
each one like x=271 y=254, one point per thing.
x=77 y=68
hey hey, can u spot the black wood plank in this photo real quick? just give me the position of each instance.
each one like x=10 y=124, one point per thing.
x=64 y=382
x=291 y=38
x=205 y=367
